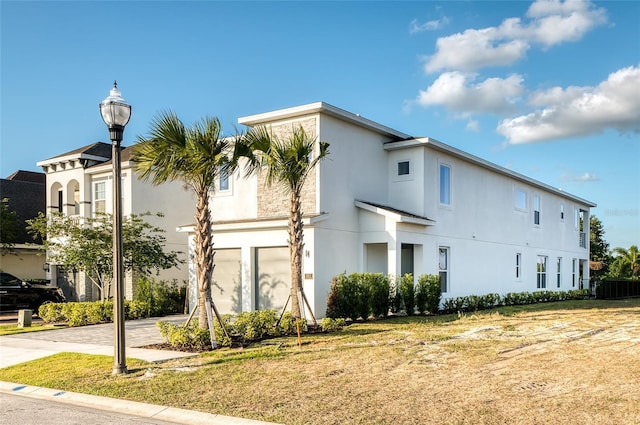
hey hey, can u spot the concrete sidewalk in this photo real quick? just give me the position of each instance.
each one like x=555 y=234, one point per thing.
x=93 y=339
x=98 y=339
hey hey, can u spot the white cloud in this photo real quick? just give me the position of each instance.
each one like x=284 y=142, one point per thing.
x=586 y=177
x=580 y=111
x=415 y=27
x=550 y=22
x=459 y=92
x=473 y=125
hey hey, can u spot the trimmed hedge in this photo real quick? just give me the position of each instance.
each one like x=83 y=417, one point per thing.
x=483 y=302
x=152 y=299
x=362 y=295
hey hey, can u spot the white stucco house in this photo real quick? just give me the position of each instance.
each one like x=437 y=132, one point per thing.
x=384 y=201
x=79 y=183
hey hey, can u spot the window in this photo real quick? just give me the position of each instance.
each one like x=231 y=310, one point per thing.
x=518 y=266
x=403 y=168
x=536 y=209
x=76 y=200
x=541 y=281
x=60 y=200
x=559 y=272
x=99 y=197
x=443 y=265
x=521 y=199
x=574 y=269
x=223 y=183
x=562 y=212
x=445 y=184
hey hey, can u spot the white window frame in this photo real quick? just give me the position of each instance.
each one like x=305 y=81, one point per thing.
x=224 y=176
x=444 y=269
x=444 y=192
x=96 y=200
x=561 y=212
x=559 y=272
x=519 y=191
x=541 y=272
x=404 y=161
x=574 y=272
x=518 y=266
x=536 y=210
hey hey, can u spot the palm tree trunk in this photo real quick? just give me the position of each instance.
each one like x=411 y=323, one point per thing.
x=296 y=245
x=203 y=253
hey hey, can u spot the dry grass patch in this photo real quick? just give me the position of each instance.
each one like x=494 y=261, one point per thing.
x=567 y=363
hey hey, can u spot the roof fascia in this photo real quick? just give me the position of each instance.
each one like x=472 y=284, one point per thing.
x=320 y=108
x=74 y=157
x=398 y=218
x=443 y=147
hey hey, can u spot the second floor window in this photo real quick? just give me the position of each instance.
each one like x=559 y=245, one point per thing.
x=445 y=184
x=99 y=197
x=403 y=168
x=536 y=210
x=223 y=184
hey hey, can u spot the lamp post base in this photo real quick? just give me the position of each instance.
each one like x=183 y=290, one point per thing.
x=119 y=370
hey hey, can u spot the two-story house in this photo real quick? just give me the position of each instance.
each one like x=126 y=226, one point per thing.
x=24 y=194
x=384 y=201
x=79 y=183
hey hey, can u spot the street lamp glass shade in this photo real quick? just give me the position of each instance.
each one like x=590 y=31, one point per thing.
x=114 y=109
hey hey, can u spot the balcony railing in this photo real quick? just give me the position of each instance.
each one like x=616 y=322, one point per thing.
x=583 y=240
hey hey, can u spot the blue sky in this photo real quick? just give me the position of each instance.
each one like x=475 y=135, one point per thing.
x=549 y=89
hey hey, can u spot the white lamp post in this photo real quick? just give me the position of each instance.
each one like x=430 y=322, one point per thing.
x=116 y=113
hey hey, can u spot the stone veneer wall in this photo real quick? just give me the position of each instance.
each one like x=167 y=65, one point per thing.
x=273 y=201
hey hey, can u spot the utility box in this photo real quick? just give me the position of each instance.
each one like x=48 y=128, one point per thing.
x=24 y=318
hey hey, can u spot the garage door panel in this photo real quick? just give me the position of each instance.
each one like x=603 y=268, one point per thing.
x=273 y=277
x=226 y=287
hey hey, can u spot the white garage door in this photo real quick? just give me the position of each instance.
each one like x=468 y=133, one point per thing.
x=226 y=288
x=273 y=277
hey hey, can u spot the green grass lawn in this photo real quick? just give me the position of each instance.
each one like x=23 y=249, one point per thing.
x=14 y=329
x=567 y=363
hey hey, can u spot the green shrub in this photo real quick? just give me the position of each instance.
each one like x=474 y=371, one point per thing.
x=161 y=298
x=331 y=325
x=288 y=325
x=362 y=295
x=378 y=286
x=407 y=293
x=255 y=325
x=395 y=296
x=51 y=312
x=428 y=294
x=189 y=336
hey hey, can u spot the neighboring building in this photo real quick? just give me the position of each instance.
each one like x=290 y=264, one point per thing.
x=24 y=191
x=384 y=201
x=79 y=183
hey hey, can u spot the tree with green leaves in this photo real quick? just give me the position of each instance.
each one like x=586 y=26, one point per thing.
x=9 y=227
x=86 y=245
x=196 y=156
x=598 y=250
x=288 y=161
x=626 y=263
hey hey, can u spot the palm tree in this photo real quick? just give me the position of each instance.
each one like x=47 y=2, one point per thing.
x=628 y=261
x=288 y=162
x=196 y=156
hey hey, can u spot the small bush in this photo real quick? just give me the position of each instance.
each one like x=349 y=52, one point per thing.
x=428 y=294
x=378 y=286
x=407 y=293
x=51 y=312
x=190 y=336
x=160 y=298
x=331 y=325
x=395 y=296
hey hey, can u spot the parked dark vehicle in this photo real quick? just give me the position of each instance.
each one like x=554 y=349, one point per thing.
x=16 y=294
